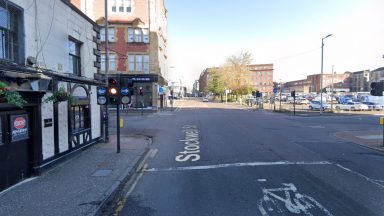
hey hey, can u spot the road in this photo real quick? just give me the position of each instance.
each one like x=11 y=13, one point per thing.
x=225 y=159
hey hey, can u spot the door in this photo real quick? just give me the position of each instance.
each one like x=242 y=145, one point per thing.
x=15 y=146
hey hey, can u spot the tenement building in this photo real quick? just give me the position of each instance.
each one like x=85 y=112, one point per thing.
x=137 y=39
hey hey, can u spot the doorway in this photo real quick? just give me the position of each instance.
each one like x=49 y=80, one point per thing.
x=15 y=147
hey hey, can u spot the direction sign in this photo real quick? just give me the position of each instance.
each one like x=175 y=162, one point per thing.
x=101 y=90
x=124 y=91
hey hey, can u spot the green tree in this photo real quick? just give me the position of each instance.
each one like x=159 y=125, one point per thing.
x=216 y=86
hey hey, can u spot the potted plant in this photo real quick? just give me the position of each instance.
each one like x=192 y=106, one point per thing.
x=10 y=96
x=58 y=96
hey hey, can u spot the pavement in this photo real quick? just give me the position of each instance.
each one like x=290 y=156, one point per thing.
x=81 y=185
x=372 y=139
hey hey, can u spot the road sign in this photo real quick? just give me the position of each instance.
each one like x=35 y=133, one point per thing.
x=274 y=90
x=161 y=90
x=124 y=91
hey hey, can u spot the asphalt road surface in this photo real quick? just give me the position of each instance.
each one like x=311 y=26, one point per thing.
x=224 y=159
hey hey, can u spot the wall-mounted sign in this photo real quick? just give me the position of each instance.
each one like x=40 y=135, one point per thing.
x=19 y=127
x=48 y=122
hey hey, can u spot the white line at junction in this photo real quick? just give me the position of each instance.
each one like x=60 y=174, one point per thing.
x=248 y=164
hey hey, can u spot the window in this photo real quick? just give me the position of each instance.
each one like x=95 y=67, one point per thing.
x=146 y=63
x=131 y=35
x=112 y=62
x=145 y=35
x=74 y=57
x=111 y=34
x=10 y=32
x=138 y=63
x=138 y=35
x=80 y=118
x=121 y=6
x=131 y=60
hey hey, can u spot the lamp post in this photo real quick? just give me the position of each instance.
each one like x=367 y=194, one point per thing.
x=321 y=79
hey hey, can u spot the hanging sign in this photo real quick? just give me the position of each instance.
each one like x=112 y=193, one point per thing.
x=19 y=127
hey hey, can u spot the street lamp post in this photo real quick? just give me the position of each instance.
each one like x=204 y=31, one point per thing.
x=321 y=79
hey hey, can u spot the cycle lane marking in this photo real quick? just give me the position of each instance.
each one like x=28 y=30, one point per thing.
x=294 y=202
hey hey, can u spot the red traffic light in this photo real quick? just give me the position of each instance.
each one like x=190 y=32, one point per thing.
x=112 y=81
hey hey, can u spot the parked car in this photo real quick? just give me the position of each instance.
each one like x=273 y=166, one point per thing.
x=205 y=99
x=374 y=106
x=302 y=101
x=352 y=106
x=316 y=105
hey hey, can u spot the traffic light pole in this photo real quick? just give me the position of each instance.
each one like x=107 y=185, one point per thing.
x=118 y=127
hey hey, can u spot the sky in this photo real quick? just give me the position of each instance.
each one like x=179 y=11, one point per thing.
x=287 y=33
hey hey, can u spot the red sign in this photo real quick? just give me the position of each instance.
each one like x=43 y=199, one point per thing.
x=19 y=122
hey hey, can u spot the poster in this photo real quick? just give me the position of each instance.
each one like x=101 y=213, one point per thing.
x=19 y=127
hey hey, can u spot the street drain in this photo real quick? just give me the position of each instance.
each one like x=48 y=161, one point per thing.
x=102 y=173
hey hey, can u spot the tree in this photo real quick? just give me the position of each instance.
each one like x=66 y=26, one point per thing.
x=236 y=74
x=216 y=86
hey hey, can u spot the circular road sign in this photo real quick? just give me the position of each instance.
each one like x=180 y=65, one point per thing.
x=101 y=90
x=124 y=91
x=125 y=100
x=161 y=90
x=102 y=100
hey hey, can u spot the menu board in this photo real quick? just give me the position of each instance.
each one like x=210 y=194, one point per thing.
x=19 y=127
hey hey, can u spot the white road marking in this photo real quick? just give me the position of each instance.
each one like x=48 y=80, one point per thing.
x=204 y=167
x=261 y=180
x=316 y=126
x=374 y=181
x=153 y=153
x=371 y=137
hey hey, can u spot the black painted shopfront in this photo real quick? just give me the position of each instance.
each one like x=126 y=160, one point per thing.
x=20 y=139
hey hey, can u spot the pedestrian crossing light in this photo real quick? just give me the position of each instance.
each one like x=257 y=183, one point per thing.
x=113 y=91
x=377 y=88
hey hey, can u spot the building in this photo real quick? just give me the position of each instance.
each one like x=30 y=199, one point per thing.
x=300 y=86
x=204 y=80
x=340 y=81
x=377 y=75
x=262 y=78
x=50 y=49
x=137 y=38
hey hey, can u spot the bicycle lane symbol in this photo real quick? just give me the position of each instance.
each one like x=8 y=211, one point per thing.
x=286 y=199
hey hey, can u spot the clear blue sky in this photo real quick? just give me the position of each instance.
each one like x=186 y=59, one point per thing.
x=261 y=25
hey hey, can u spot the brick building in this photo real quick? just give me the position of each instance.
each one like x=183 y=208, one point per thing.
x=137 y=36
x=262 y=78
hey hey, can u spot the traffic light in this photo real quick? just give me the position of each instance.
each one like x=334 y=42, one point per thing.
x=126 y=90
x=102 y=96
x=377 y=88
x=113 y=91
x=293 y=93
